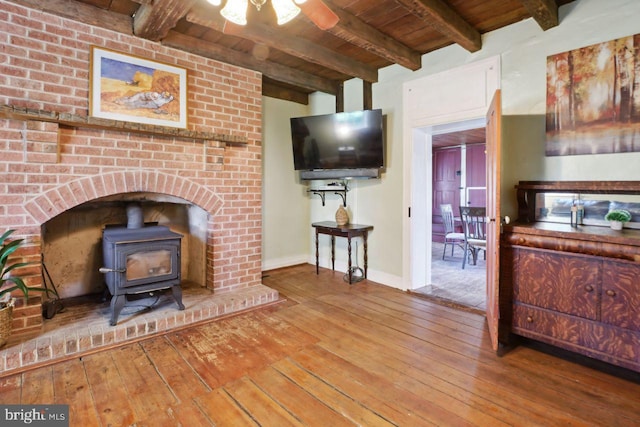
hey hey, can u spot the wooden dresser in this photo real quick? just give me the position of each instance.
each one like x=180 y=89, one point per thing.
x=577 y=288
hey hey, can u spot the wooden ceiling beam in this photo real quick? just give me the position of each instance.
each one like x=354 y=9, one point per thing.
x=367 y=96
x=275 y=91
x=82 y=12
x=153 y=21
x=298 y=47
x=270 y=69
x=445 y=20
x=545 y=12
x=355 y=31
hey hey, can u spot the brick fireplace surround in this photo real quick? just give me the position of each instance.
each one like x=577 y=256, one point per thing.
x=48 y=168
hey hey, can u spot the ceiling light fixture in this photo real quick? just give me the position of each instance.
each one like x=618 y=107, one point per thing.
x=236 y=10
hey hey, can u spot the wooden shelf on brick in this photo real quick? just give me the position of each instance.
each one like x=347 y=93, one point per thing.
x=74 y=120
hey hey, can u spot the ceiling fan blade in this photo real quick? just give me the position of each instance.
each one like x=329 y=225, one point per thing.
x=319 y=13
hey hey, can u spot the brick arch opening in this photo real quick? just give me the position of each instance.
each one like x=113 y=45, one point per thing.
x=73 y=215
x=73 y=193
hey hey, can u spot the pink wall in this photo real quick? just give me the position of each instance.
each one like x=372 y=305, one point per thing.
x=46 y=169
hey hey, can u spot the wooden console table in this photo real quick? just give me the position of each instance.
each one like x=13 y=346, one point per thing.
x=348 y=230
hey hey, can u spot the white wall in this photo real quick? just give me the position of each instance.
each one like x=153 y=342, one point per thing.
x=285 y=203
x=364 y=204
x=523 y=49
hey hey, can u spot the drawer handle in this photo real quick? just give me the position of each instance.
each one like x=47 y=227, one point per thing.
x=529 y=319
x=588 y=288
x=611 y=293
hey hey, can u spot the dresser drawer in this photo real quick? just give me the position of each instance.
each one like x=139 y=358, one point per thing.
x=612 y=344
x=548 y=323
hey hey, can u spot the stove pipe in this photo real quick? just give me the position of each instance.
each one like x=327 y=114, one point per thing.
x=135 y=218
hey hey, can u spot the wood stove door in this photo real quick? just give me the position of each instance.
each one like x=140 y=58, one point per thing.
x=145 y=264
x=148 y=264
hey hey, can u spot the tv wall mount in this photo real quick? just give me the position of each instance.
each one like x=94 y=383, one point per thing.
x=339 y=188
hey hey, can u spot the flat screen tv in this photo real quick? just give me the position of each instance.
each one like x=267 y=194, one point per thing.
x=341 y=145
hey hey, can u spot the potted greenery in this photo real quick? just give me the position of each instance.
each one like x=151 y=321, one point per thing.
x=10 y=283
x=617 y=218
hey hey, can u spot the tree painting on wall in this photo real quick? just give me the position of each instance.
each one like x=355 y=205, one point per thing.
x=593 y=99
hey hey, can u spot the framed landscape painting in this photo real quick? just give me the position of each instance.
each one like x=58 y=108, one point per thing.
x=127 y=88
x=593 y=99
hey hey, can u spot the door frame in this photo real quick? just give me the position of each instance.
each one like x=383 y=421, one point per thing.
x=435 y=103
x=421 y=227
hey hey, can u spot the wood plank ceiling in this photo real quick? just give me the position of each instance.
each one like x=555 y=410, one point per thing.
x=299 y=58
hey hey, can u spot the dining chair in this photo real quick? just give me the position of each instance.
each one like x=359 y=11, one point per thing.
x=451 y=237
x=474 y=226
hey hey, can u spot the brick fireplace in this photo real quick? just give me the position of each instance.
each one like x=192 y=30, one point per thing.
x=48 y=168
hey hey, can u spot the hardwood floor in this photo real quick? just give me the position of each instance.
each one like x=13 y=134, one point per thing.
x=331 y=354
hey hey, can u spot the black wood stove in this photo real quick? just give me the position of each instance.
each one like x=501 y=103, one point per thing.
x=138 y=259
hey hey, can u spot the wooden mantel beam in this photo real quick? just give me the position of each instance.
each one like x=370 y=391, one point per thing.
x=545 y=12
x=445 y=20
x=74 y=120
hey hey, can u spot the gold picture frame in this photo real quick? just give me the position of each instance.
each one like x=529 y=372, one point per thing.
x=128 y=88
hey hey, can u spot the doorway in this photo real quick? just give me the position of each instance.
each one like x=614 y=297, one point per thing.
x=459 y=179
x=454 y=100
